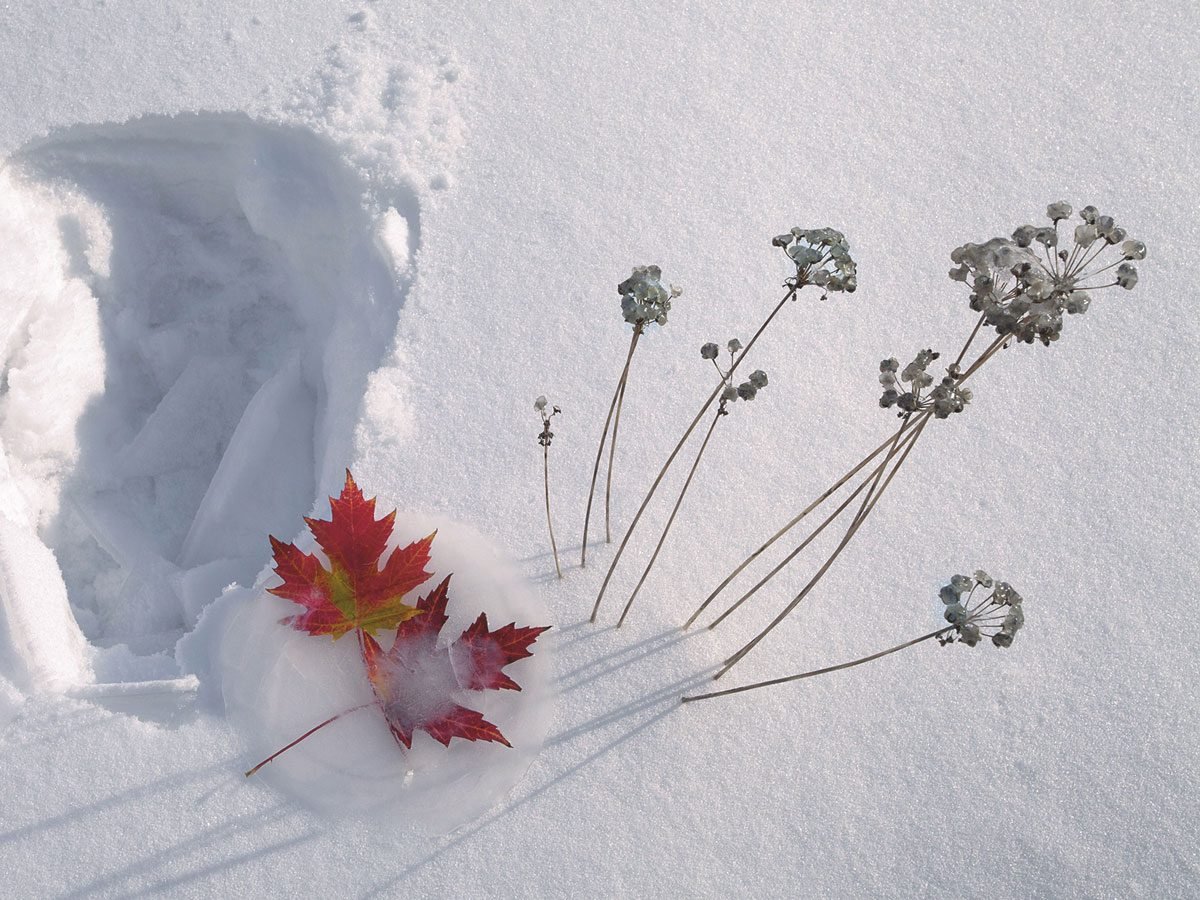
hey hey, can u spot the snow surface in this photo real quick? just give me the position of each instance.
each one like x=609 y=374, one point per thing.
x=246 y=245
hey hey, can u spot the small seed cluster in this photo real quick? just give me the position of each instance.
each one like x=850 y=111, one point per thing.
x=644 y=298
x=998 y=615
x=822 y=257
x=946 y=398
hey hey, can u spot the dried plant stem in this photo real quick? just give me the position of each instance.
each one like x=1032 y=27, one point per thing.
x=895 y=442
x=633 y=341
x=824 y=671
x=671 y=519
x=873 y=495
x=967 y=345
x=612 y=455
x=307 y=734
x=549 y=521
x=790 y=525
x=670 y=459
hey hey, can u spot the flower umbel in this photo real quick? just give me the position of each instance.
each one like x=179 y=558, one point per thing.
x=946 y=398
x=730 y=393
x=822 y=257
x=644 y=299
x=997 y=615
x=1023 y=285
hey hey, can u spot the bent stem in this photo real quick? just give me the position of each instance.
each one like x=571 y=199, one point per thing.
x=875 y=492
x=678 y=502
x=637 y=332
x=679 y=446
x=549 y=522
x=790 y=525
x=871 y=479
x=824 y=671
x=307 y=734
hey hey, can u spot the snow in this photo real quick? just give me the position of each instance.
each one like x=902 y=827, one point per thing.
x=243 y=247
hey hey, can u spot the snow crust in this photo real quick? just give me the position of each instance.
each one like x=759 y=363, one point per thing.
x=496 y=172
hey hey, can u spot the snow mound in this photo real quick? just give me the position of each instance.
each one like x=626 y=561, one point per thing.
x=192 y=308
x=276 y=683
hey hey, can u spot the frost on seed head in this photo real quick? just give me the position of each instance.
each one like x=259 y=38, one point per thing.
x=945 y=399
x=996 y=614
x=1024 y=285
x=821 y=256
x=731 y=393
x=644 y=298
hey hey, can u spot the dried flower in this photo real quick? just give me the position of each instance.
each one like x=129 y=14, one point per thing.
x=644 y=299
x=821 y=256
x=998 y=615
x=1023 y=292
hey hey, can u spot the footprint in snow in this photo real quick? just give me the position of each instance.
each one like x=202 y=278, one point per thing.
x=190 y=308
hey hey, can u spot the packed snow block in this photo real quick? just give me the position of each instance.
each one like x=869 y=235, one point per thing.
x=54 y=374
x=41 y=646
x=118 y=523
x=189 y=426
x=200 y=586
x=146 y=612
x=264 y=483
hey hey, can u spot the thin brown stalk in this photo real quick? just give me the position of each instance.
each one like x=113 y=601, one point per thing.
x=549 y=522
x=824 y=671
x=671 y=519
x=307 y=734
x=983 y=357
x=792 y=524
x=967 y=345
x=670 y=459
x=869 y=502
x=612 y=455
x=633 y=341
x=873 y=478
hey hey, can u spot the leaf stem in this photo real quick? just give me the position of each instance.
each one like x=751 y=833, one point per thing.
x=824 y=671
x=309 y=733
x=637 y=331
x=670 y=459
x=667 y=528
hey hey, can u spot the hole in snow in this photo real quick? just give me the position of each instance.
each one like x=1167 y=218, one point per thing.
x=192 y=306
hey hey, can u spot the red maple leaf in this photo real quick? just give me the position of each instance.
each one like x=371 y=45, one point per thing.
x=354 y=592
x=415 y=680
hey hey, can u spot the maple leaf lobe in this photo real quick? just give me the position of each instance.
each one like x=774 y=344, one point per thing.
x=415 y=680
x=480 y=655
x=353 y=592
